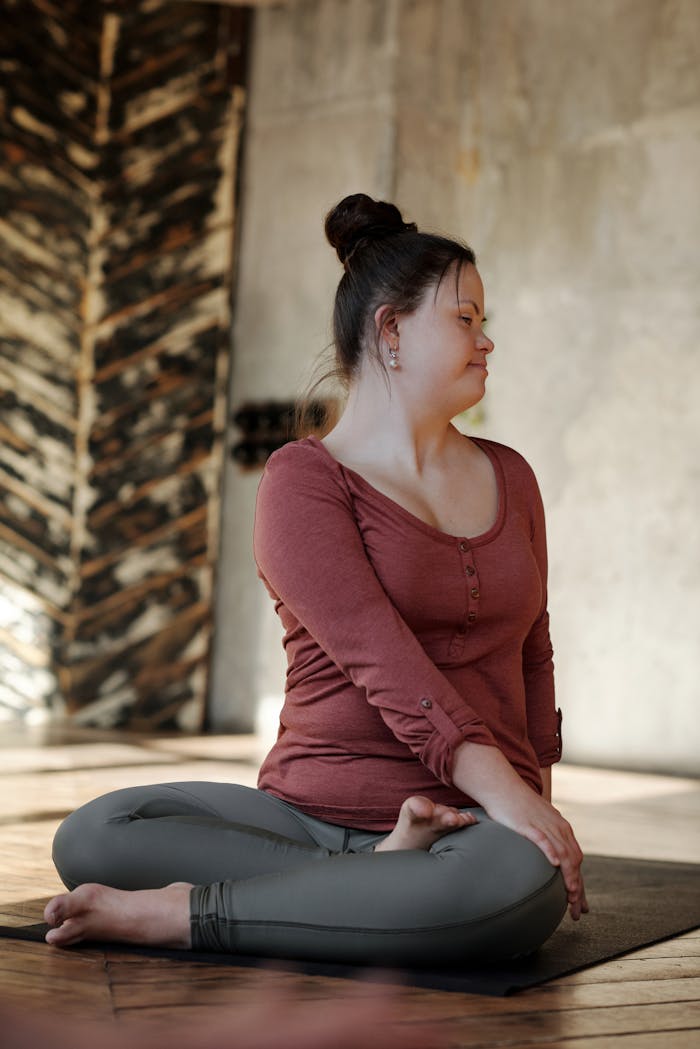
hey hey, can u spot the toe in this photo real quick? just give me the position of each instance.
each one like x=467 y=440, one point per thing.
x=420 y=808
x=453 y=819
x=54 y=911
x=67 y=933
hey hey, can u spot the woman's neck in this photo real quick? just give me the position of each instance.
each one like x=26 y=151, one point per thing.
x=380 y=429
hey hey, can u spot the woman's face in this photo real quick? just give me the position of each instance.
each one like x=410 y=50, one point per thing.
x=442 y=346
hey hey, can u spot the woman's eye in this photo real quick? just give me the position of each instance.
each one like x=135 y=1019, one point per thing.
x=467 y=320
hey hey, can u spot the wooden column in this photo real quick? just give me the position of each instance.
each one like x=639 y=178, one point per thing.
x=119 y=130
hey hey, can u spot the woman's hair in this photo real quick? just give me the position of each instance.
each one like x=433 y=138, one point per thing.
x=387 y=262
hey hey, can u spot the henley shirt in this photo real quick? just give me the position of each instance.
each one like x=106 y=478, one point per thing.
x=402 y=641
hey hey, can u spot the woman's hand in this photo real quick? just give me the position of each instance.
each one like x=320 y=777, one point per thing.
x=485 y=775
x=536 y=819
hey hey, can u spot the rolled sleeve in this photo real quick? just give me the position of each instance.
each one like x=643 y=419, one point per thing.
x=548 y=745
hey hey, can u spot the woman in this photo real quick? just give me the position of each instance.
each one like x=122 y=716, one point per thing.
x=404 y=814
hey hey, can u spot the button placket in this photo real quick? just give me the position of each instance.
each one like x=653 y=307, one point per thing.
x=472 y=578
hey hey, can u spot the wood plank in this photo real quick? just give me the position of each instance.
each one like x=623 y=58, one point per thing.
x=477 y=1029
x=553 y=997
x=544 y=1028
x=635 y=968
x=651 y=1040
x=74 y=985
x=684 y=946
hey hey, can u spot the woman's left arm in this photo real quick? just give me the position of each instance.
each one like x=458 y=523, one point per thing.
x=543 y=718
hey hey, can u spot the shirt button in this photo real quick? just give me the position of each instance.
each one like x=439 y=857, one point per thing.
x=471 y=617
x=464 y=547
x=475 y=592
x=426 y=703
x=471 y=570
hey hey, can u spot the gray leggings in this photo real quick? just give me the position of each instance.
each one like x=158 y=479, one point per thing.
x=272 y=881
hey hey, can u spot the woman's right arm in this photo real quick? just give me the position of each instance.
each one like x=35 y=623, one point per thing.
x=485 y=774
x=311 y=556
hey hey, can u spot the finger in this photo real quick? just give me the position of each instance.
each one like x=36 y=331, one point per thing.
x=557 y=842
x=567 y=846
x=576 y=904
x=574 y=887
x=575 y=897
x=579 y=904
x=539 y=838
x=571 y=859
x=561 y=835
x=575 y=909
x=559 y=856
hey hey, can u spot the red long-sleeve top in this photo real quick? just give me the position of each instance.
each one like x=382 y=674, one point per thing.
x=402 y=641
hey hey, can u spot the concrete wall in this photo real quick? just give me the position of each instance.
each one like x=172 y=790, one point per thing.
x=321 y=122
x=562 y=140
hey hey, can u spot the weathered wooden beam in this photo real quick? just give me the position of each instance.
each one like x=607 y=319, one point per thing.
x=119 y=128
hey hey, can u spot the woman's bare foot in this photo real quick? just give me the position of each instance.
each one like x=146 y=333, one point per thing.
x=421 y=822
x=156 y=917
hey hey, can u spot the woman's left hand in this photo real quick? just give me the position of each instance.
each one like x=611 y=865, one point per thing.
x=484 y=773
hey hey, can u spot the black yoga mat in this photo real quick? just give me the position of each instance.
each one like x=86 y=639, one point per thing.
x=633 y=903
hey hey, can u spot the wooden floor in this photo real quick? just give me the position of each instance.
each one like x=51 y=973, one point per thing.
x=646 y=1000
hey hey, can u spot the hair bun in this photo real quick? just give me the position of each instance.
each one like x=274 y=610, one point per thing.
x=358 y=217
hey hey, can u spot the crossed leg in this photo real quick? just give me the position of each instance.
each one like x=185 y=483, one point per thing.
x=162 y=916
x=440 y=888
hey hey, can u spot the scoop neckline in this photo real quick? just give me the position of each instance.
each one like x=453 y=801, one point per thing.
x=418 y=522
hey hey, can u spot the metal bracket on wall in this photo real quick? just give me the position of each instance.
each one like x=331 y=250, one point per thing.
x=267 y=425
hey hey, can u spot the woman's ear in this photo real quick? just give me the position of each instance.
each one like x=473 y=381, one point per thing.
x=386 y=322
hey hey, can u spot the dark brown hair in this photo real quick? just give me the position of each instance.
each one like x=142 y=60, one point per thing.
x=387 y=262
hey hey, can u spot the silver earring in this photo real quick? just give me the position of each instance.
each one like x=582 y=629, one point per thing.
x=393 y=357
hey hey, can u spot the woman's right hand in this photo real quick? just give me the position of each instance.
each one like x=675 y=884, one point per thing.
x=483 y=773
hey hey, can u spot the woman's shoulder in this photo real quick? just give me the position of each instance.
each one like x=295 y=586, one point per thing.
x=517 y=470
x=301 y=461
x=507 y=455
x=304 y=453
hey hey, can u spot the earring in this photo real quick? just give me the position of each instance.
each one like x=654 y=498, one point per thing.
x=394 y=356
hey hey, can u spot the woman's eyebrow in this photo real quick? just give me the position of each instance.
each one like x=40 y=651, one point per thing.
x=470 y=302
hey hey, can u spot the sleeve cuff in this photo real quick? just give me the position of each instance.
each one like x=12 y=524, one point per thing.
x=438 y=752
x=548 y=748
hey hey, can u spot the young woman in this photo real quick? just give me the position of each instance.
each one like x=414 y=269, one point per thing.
x=403 y=816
